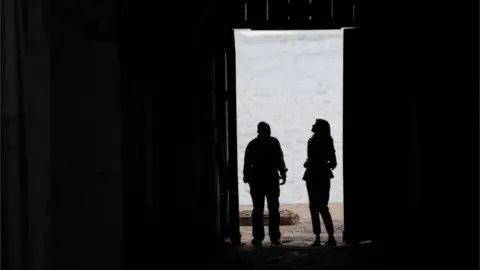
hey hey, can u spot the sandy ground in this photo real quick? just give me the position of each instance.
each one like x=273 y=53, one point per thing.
x=300 y=234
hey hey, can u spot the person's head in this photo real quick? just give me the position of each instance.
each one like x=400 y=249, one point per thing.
x=321 y=127
x=263 y=129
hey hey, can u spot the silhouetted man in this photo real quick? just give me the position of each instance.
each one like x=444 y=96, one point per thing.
x=263 y=163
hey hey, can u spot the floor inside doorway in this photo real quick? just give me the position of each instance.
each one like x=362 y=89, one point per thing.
x=296 y=253
x=298 y=257
x=301 y=234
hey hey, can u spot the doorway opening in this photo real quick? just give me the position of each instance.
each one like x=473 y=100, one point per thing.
x=288 y=79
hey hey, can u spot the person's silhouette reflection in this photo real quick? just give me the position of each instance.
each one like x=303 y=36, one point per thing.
x=321 y=160
x=263 y=163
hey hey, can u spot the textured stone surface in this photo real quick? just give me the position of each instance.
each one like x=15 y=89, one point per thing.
x=287 y=217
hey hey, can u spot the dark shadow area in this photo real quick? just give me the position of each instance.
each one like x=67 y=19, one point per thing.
x=295 y=257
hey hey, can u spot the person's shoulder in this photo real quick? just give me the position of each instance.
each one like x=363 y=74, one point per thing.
x=275 y=140
x=252 y=142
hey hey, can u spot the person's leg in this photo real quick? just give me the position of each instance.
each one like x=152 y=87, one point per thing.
x=313 y=204
x=273 y=194
x=324 y=197
x=258 y=201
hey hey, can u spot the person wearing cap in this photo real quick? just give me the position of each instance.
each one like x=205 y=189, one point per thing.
x=321 y=160
x=264 y=162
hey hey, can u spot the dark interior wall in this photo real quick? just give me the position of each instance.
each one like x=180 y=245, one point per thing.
x=172 y=69
x=25 y=149
x=423 y=126
x=62 y=170
x=78 y=78
x=35 y=73
x=185 y=130
x=86 y=205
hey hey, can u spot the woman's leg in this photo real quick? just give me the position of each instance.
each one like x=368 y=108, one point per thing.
x=324 y=197
x=327 y=219
x=314 y=210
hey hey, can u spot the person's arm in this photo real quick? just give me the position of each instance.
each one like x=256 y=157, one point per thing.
x=281 y=159
x=309 y=150
x=333 y=156
x=247 y=164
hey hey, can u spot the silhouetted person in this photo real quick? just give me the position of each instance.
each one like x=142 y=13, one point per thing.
x=321 y=160
x=263 y=163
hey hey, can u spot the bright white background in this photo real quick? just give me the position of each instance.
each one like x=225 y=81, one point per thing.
x=289 y=78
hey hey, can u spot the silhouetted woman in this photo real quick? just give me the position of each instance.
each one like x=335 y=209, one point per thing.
x=321 y=160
